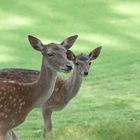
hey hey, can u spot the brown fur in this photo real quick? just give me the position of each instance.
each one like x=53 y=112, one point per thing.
x=64 y=89
x=17 y=99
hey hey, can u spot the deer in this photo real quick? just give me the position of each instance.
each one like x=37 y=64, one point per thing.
x=65 y=89
x=18 y=99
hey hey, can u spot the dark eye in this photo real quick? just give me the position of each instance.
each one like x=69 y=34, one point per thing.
x=50 y=54
x=77 y=63
x=89 y=63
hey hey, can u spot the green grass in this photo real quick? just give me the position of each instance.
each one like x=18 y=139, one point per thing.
x=108 y=104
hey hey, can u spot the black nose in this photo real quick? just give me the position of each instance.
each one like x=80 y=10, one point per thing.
x=85 y=73
x=69 y=67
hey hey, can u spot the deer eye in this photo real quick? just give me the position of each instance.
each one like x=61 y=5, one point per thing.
x=89 y=63
x=50 y=54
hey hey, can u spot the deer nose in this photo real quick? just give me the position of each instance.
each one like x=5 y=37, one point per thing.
x=69 y=67
x=85 y=73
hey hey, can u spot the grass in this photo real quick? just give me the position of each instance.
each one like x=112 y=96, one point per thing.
x=108 y=104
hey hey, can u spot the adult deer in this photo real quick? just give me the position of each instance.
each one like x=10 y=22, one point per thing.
x=18 y=99
x=65 y=89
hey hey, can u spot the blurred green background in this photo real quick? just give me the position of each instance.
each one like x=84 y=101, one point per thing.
x=108 y=104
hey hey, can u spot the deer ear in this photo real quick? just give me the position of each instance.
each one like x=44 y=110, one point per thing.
x=95 y=53
x=35 y=43
x=70 y=55
x=68 y=42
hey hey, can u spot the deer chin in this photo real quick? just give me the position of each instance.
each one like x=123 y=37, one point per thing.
x=64 y=69
x=82 y=74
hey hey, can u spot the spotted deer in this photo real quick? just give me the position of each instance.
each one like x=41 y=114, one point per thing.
x=65 y=89
x=18 y=99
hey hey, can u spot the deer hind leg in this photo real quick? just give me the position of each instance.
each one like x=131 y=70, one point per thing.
x=47 y=121
x=10 y=135
x=14 y=136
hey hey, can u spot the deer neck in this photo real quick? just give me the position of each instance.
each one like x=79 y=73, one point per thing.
x=73 y=83
x=45 y=84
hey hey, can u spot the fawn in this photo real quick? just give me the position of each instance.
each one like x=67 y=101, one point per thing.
x=65 y=89
x=18 y=99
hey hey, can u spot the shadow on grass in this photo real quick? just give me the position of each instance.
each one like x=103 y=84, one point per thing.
x=115 y=74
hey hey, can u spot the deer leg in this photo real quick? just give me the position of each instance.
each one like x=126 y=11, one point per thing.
x=2 y=130
x=10 y=135
x=1 y=136
x=14 y=135
x=47 y=120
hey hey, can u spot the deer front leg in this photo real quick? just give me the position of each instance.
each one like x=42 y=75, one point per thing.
x=47 y=120
x=1 y=136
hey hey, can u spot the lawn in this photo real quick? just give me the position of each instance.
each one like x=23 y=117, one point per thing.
x=108 y=105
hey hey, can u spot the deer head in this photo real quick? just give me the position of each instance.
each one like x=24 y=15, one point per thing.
x=54 y=54
x=82 y=62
